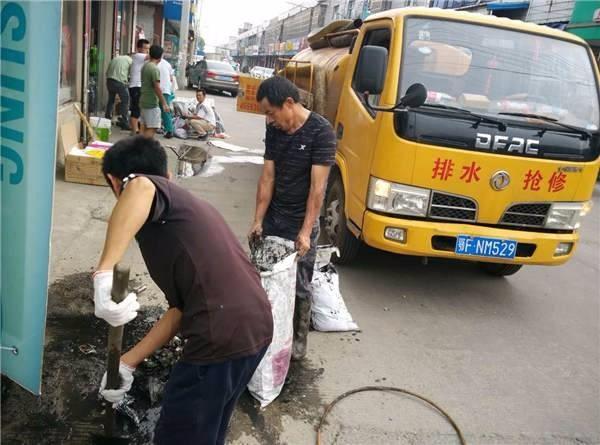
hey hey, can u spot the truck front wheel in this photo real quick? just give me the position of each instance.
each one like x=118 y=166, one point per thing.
x=335 y=223
x=500 y=270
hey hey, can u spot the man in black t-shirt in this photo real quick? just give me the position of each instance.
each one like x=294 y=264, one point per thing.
x=300 y=150
x=216 y=300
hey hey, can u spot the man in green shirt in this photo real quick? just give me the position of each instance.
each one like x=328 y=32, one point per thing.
x=117 y=81
x=151 y=94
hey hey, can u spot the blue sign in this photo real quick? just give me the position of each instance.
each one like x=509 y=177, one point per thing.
x=28 y=145
x=172 y=9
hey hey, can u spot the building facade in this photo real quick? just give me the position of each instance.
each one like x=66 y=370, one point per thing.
x=279 y=37
x=94 y=31
x=284 y=36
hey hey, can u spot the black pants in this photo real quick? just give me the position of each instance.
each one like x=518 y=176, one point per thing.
x=199 y=400
x=276 y=226
x=135 y=93
x=115 y=87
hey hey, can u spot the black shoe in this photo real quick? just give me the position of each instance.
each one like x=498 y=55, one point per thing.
x=168 y=135
x=203 y=137
x=124 y=125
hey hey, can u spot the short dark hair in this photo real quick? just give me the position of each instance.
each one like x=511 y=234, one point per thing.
x=141 y=43
x=135 y=154
x=156 y=52
x=201 y=90
x=277 y=89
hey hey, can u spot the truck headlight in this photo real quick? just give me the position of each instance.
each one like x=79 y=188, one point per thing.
x=389 y=197
x=567 y=215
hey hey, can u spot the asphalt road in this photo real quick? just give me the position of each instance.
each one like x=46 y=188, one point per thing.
x=513 y=360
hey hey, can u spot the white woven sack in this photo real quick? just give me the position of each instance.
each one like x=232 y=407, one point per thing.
x=280 y=285
x=328 y=311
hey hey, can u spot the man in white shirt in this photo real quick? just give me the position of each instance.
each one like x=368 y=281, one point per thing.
x=203 y=121
x=166 y=85
x=139 y=58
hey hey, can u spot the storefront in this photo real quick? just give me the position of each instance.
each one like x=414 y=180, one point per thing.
x=92 y=33
x=149 y=21
x=71 y=49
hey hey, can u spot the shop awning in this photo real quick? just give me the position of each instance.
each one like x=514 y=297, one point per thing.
x=507 y=6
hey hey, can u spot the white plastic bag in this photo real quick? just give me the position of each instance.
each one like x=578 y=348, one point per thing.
x=328 y=311
x=181 y=133
x=100 y=122
x=276 y=259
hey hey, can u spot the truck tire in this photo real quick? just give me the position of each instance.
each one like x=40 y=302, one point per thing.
x=335 y=223
x=500 y=270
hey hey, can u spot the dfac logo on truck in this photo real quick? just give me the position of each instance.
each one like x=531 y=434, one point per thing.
x=500 y=180
x=508 y=144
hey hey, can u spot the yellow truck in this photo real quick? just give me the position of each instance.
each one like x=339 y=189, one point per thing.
x=459 y=135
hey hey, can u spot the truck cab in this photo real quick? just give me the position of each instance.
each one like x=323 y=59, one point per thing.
x=498 y=161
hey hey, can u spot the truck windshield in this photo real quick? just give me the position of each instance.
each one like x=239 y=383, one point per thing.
x=493 y=71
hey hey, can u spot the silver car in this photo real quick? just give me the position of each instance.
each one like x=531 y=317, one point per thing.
x=214 y=75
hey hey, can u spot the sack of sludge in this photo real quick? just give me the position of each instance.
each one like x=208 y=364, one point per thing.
x=275 y=259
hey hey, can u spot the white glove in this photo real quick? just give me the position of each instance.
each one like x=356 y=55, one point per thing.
x=116 y=395
x=104 y=307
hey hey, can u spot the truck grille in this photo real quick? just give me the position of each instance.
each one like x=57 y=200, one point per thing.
x=529 y=215
x=458 y=208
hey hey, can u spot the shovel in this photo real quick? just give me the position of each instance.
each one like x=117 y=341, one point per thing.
x=113 y=380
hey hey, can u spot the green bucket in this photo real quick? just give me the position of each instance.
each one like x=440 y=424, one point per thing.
x=102 y=128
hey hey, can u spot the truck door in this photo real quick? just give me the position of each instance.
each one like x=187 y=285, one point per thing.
x=357 y=126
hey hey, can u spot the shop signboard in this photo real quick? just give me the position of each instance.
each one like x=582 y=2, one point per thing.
x=28 y=134
x=172 y=9
x=246 y=100
x=585 y=21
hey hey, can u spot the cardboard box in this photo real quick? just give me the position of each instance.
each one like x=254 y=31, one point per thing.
x=83 y=168
x=246 y=100
x=80 y=166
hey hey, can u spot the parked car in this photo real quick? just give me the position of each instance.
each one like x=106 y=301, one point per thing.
x=261 y=72
x=214 y=75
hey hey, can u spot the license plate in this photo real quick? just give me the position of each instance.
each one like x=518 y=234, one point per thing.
x=223 y=78
x=485 y=247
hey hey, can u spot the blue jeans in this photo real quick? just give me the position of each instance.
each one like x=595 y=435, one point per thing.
x=199 y=400
x=167 y=118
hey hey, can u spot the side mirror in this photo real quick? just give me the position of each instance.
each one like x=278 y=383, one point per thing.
x=370 y=72
x=415 y=96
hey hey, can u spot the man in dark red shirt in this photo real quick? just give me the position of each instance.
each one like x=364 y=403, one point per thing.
x=215 y=296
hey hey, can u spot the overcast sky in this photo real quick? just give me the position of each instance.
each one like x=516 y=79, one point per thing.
x=222 y=18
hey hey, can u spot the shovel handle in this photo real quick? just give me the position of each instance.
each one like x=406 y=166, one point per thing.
x=84 y=119
x=115 y=334
x=115 y=340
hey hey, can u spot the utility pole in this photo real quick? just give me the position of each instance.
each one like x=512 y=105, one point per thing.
x=183 y=43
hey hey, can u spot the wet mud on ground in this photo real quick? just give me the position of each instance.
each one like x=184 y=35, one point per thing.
x=299 y=399
x=69 y=410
